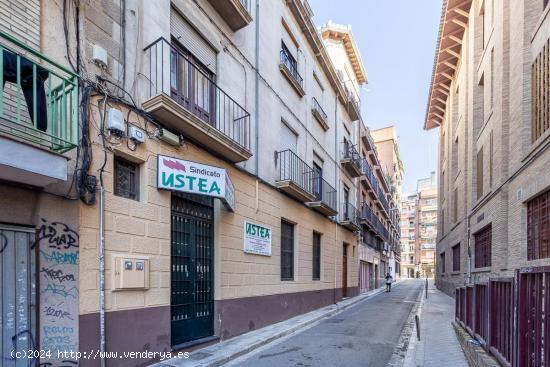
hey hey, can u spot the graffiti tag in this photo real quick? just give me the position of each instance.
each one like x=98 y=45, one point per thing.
x=57 y=274
x=57 y=257
x=57 y=234
x=57 y=313
x=61 y=290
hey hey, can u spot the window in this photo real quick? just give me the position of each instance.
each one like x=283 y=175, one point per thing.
x=540 y=103
x=456 y=257
x=538 y=223
x=126 y=179
x=455 y=205
x=316 y=266
x=442 y=259
x=482 y=240
x=492 y=97
x=287 y=251
x=479 y=183
x=491 y=159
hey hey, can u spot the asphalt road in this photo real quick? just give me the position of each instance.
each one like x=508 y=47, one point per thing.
x=364 y=335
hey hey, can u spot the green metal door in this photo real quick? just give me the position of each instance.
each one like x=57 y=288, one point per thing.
x=192 y=272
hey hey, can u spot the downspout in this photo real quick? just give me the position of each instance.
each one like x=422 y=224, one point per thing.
x=337 y=184
x=468 y=278
x=257 y=89
x=257 y=104
x=102 y=274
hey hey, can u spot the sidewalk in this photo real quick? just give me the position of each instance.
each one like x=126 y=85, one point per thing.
x=221 y=353
x=438 y=345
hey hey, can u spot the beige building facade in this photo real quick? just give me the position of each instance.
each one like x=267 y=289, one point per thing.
x=409 y=248
x=488 y=101
x=180 y=175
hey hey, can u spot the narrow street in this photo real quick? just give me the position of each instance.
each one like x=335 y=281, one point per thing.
x=364 y=335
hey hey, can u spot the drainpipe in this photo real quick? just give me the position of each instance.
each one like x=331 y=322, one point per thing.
x=257 y=89
x=337 y=184
x=468 y=278
x=102 y=274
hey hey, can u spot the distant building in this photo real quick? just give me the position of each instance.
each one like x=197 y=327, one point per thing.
x=419 y=229
x=426 y=228
x=387 y=147
x=409 y=254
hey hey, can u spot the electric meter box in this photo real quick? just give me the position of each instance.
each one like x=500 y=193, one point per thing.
x=115 y=121
x=130 y=272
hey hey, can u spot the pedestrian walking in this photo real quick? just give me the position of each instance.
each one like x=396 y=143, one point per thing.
x=389 y=280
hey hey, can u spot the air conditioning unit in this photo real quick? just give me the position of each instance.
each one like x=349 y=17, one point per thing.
x=168 y=137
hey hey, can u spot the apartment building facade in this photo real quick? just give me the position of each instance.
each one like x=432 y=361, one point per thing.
x=426 y=225
x=189 y=172
x=489 y=99
x=409 y=248
x=387 y=146
x=378 y=224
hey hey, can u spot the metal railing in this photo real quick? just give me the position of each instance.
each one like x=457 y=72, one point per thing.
x=317 y=107
x=293 y=168
x=290 y=65
x=324 y=192
x=172 y=72
x=39 y=99
x=350 y=152
x=350 y=214
x=367 y=213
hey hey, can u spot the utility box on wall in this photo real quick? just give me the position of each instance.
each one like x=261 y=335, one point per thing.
x=130 y=272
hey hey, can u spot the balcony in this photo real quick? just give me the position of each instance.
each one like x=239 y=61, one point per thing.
x=325 y=197
x=351 y=160
x=289 y=69
x=236 y=13
x=349 y=217
x=38 y=115
x=353 y=108
x=184 y=97
x=319 y=114
x=295 y=176
x=367 y=216
x=367 y=176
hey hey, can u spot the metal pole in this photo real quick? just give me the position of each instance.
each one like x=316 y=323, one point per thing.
x=417 y=320
x=426 y=287
x=102 y=275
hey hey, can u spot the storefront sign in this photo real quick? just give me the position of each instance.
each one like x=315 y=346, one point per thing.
x=257 y=239
x=179 y=175
x=229 y=199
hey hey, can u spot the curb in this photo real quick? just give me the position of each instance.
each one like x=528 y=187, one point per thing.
x=331 y=310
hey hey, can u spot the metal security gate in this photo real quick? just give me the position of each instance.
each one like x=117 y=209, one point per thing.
x=18 y=294
x=192 y=272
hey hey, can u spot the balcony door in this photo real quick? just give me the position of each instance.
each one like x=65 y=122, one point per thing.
x=318 y=181
x=192 y=84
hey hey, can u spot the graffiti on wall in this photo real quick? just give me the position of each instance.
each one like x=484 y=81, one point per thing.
x=58 y=245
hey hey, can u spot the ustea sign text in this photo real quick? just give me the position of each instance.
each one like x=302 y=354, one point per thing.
x=257 y=239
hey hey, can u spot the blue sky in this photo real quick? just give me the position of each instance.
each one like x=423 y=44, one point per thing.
x=397 y=40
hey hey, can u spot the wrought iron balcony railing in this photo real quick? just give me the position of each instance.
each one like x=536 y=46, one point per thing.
x=39 y=100
x=174 y=73
x=293 y=168
x=289 y=63
x=367 y=214
x=317 y=108
x=324 y=192
x=350 y=214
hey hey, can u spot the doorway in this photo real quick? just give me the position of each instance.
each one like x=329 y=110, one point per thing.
x=18 y=291
x=192 y=268
x=345 y=271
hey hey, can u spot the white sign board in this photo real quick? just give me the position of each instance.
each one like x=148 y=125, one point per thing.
x=257 y=239
x=179 y=175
